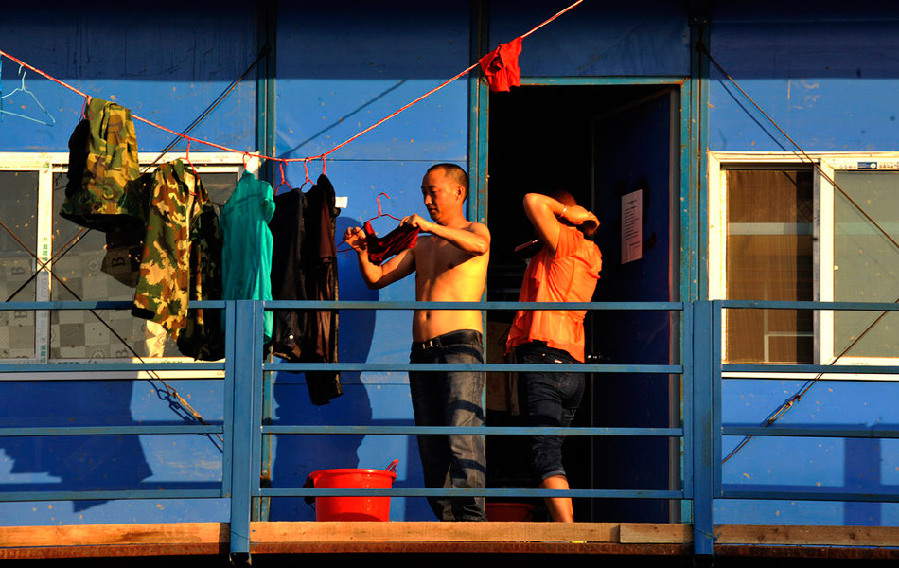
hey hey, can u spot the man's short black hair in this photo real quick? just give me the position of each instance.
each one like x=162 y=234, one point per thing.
x=459 y=175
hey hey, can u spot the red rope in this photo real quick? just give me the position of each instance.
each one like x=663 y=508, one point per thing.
x=307 y=159
x=41 y=73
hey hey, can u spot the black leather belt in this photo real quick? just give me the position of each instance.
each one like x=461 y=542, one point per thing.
x=459 y=337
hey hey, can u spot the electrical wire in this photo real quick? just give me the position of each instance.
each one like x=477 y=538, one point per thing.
x=166 y=391
x=323 y=156
x=788 y=403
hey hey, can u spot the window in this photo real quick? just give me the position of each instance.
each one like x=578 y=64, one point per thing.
x=18 y=212
x=33 y=191
x=779 y=230
x=769 y=257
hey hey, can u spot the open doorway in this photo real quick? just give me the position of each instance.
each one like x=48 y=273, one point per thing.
x=603 y=144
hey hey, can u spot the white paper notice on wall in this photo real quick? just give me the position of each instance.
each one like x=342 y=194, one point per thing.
x=632 y=226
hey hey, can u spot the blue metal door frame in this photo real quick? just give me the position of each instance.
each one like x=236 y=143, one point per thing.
x=689 y=147
x=691 y=167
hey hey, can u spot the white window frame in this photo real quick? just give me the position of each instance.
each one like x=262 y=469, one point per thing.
x=49 y=163
x=823 y=250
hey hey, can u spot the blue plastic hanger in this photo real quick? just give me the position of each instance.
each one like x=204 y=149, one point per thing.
x=50 y=121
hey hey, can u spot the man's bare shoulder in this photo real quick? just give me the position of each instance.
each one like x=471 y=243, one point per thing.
x=478 y=228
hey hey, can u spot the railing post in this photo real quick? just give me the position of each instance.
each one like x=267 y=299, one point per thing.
x=703 y=453
x=687 y=446
x=247 y=368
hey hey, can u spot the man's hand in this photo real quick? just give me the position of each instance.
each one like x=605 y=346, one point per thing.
x=355 y=237
x=419 y=223
x=378 y=275
x=577 y=216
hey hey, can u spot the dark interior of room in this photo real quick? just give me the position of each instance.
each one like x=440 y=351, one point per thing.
x=599 y=143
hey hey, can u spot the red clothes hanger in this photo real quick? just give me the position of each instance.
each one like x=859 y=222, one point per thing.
x=380 y=211
x=192 y=168
x=283 y=178
x=369 y=231
x=187 y=159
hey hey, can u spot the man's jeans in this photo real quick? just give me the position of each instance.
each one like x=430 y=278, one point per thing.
x=549 y=399
x=451 y=398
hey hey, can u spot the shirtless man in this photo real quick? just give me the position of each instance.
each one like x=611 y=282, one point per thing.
x=450 y=265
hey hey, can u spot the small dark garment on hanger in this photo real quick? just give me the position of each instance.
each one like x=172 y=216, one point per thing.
x=396 y=241
x=288 y=276
x=304 y=267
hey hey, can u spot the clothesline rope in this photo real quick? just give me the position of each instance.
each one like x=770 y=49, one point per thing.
x=323 y=156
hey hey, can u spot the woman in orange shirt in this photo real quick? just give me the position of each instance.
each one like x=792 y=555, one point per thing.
x=564 y=270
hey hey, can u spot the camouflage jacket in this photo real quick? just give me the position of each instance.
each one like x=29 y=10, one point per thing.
x=103 y=192
x=181 y=262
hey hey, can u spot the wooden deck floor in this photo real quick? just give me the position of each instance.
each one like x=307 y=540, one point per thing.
x=184 y=539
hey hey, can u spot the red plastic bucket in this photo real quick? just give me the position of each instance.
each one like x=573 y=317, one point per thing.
x=353 y=508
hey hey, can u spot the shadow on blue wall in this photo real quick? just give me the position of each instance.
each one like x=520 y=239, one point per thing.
x=296 y=456
x=862 y=473
x=77 y=462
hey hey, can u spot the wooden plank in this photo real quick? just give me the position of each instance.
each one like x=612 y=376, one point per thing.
x=208 y=550
x=805 y=552
x=592 y=548
x=807 y=534
x=80 y=535
x=651 y=533
x=431 y=531
x=414 y=532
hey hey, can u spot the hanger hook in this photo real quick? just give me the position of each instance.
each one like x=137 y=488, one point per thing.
x=283 y=176
x=378 y=200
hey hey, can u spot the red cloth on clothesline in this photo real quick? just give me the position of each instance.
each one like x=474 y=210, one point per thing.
x=501 y=66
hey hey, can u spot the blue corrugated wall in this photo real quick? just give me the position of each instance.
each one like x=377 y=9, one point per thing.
x=830 y=78
x=340 y=67
x=166 y=61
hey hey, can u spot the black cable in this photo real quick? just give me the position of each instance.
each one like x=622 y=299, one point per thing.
x=196 y=122
x=65 y=249
x=799 y=150
x=171 y=395
x=788 y=403
x=168 y=393
x=266 y=49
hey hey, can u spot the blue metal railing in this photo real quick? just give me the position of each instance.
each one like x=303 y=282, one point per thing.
x=243 y=430
x=774 y=372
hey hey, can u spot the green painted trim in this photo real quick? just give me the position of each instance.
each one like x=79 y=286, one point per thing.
x=265 y=84
x=694 y=191
x=483 y=150
x=687 y=204
x=477 y=116
x=700 y=143
x=266 y=38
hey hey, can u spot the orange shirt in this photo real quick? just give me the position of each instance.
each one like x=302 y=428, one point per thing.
x=569 y=275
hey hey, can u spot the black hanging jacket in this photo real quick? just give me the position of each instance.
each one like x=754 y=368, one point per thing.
x=304 y=267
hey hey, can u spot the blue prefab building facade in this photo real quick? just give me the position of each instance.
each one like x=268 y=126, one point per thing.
x=614 y=98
